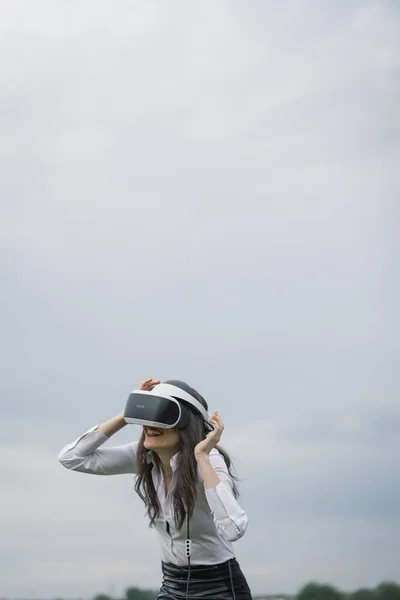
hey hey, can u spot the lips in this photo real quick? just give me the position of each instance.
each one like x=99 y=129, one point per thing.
x=153 y=432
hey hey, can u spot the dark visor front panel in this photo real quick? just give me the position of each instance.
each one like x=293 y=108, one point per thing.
x=148 y=407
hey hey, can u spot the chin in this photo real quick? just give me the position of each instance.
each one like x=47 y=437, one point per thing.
x=149 y=444
x=154 y=443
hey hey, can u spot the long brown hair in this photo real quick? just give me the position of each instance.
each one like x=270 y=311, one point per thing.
x=184 y=492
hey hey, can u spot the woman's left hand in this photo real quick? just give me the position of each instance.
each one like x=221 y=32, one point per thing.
x=212 y=439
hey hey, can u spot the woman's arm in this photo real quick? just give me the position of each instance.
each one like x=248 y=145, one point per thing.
x=86 y=456
x=230 y=519
x=210 y=477
x=113 y=425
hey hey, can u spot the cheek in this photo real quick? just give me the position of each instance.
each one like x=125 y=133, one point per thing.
x=173 y=437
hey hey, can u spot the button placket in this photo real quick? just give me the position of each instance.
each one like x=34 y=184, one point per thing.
x=165 y=504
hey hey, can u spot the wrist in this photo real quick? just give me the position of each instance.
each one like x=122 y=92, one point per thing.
x=121 y=420
x=202 y=457
x=113 y=425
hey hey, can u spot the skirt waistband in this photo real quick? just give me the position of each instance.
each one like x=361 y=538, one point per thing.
x=198 y=571
x=222 y=581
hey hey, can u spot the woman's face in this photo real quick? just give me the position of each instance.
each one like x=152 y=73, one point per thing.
x=161 y=439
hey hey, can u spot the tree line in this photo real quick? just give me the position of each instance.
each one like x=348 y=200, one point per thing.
x=310 y=591
x=316 y=591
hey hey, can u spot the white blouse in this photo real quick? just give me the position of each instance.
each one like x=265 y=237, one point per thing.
x=217 y=520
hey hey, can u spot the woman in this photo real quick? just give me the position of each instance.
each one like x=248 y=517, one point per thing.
x=189 y=492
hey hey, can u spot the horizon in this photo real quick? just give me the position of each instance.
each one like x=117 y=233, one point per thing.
x=270 y=595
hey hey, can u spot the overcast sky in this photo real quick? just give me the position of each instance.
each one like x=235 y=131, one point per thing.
x=204 y=191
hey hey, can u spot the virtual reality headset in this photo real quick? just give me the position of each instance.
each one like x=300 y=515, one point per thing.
x=166 y=406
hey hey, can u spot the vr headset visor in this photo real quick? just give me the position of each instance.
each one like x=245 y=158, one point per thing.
x=166 y=406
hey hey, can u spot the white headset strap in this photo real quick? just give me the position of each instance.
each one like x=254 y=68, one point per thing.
x=167 y=389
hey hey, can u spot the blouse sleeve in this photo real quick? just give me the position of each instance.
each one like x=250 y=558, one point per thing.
x=230 y=519
x=86 y=456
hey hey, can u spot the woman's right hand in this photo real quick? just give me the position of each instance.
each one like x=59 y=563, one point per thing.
x=148 y=384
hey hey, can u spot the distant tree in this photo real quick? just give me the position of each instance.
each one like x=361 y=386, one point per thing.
x=387 y=590
x=135 y=593
x=317 y=591
x=362 y=594
x=102 y=597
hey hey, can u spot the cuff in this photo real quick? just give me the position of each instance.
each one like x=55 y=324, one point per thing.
x=89 y=441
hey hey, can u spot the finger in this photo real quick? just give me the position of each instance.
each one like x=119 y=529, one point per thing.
x=143 y=385
x=217 y=428
x=217 y=419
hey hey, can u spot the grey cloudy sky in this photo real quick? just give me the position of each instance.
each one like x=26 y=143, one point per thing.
x=206 y=191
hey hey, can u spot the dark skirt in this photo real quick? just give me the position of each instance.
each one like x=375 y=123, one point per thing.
x=224 y=581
